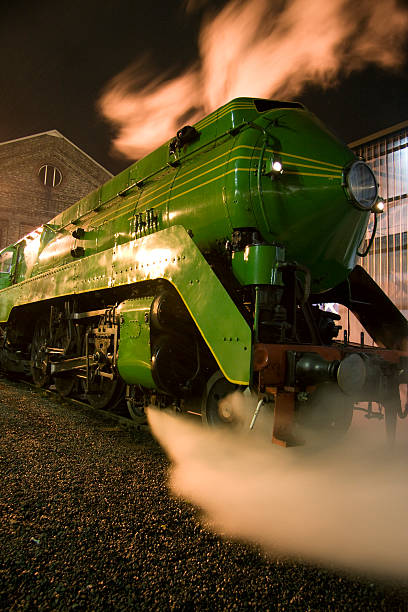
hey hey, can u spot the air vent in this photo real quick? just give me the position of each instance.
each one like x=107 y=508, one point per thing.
x=265 y=105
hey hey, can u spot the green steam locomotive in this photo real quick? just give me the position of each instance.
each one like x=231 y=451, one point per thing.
x=202 y=269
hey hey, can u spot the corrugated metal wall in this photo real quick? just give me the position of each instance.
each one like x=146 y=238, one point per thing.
x=387 y=260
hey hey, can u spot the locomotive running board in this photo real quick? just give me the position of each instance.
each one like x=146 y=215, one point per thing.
x=168 y=254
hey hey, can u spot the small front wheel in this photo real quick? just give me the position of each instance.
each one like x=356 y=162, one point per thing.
x=217 y=409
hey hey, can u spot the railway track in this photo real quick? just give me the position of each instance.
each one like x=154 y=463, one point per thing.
x=120 y=419
x=123 y=421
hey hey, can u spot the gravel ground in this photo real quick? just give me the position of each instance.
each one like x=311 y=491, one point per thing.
x=86 y=523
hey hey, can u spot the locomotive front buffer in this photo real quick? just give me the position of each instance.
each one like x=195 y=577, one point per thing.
x=317 y=389
x=314 y=387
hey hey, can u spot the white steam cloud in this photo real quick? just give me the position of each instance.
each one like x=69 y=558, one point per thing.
x=255 y=48
x=344 y=505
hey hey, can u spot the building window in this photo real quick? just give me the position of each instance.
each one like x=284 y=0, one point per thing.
x=49 y=175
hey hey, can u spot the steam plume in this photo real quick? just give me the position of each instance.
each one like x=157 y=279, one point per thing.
x=255 y=48
x=343 y=505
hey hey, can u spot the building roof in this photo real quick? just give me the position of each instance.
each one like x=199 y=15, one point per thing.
x=394 y=128
x=57 y=134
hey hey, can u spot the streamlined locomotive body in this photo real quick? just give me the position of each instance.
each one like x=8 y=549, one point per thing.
x=202 y=269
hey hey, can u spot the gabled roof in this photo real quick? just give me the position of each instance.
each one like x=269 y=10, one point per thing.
x=57 y=134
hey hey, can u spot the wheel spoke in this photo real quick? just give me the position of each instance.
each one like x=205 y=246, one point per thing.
x=39 y=357
x=105 y=393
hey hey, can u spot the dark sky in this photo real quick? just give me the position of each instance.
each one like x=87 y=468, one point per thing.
x=57 y=56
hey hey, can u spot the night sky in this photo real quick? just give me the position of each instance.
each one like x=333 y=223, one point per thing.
x=58 y=56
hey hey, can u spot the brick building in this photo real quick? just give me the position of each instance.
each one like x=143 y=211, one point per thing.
x=40 y=176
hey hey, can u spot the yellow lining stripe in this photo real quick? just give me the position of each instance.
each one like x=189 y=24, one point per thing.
x=71 y=264
x=146 y=202
x=202 y=184
x=206 y=124
x=210 y=161
x=142 y=202
x=289 y=163
x=206 y=183
x=197 y=176
x=167 y=184
x=203 y=123
x=109 y=213
x=331 y=176
x=316 y=161
x=228 y=107
x=191 y=179
x=237 y=382
x=239 y=170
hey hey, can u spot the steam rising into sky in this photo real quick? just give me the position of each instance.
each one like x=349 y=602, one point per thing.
x=343 y=505
x=254 y=48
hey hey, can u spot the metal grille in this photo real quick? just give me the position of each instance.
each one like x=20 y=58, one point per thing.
x=387 y=260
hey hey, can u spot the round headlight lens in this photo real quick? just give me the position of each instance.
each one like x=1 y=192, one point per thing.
x=362 y=185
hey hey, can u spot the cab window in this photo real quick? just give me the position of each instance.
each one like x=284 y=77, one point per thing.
x=6 y=262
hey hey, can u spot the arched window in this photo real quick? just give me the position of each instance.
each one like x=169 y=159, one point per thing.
x=49 y=175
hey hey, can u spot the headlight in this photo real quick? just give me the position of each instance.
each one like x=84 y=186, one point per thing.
x=361 y=185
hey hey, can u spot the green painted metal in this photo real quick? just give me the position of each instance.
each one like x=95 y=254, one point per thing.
x=171 y=207
x=171 y=255
x=223 y=181
x=258 y=264
x=134 y=355
x=306 y=207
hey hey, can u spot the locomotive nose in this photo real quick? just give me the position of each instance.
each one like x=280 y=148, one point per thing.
x=312 y=196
